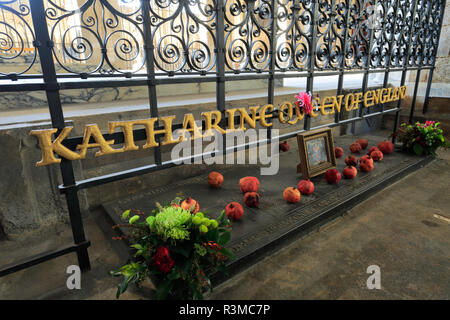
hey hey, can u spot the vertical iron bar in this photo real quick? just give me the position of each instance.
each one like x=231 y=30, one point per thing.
x=271 y=85
x=337 y=115
x=430 y=76
x=405 y=69
x=45 y=46
x=149 y=61
x=391 y=45
x=366 y=67
x=416 y=85
x=312 y=59
x=413 y=103
x=220 y=62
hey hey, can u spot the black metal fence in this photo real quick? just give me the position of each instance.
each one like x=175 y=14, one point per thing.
x=124 y=43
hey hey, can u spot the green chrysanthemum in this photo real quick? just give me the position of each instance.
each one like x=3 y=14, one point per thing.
x=172 y=223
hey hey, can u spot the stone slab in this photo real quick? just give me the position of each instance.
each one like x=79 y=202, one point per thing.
x=275 y=219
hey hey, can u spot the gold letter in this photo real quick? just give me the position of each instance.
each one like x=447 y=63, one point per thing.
x=403 y=90
x=48 y=147
x=263 y=116
x=150 y=131
x=127 y=128
x=100 y=142
x=209 y=125
x=347 y=98
x=190 y=121
x=367 y=99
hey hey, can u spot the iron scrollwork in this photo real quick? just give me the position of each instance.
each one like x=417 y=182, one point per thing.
x=106 y=37
x=17 y=39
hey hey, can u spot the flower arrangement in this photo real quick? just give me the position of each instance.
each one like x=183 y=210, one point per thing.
x=177 y=250
x=304 y=102
x=422 y=138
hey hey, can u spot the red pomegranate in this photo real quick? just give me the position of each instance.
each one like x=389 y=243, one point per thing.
x=376 y=155
x=364 y=157
x=234 y=210
x=349 y=172
x=191 y=205
x=372 y=149
x=251 y=199
x=355 y=147
x=332 y=176
x=215 y=179
x=249 y=184
x=291 y=195
x=351 y=161
x=305 y=187
x=363 y=142
x=284 y=146
x=338 y=152
x=386 y=147
x=366 y=164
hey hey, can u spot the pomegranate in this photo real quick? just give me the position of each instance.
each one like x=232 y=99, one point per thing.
x=332 y=176
x=190 y=205
x=351 y=161
x=355 y=147
x=251 y=199
x=234 y=210
x=249 y=184
x=363 y=142
x=376 y=155
x=284 y=146
x=305 y=187
x=291 y=195
x=349 y=172
x=372 y=149
x=215 y=179
x=386 y=147
x=366 y=164
x=338 y=152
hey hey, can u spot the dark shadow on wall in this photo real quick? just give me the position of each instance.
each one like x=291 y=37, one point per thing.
x=2 y=232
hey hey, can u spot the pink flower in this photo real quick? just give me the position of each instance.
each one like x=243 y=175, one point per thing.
x=303 y=102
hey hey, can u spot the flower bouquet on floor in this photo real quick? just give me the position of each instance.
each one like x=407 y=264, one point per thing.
x=422 y=138
x=177 y=248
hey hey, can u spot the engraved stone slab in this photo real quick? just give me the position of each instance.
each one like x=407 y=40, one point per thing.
x=275 y=217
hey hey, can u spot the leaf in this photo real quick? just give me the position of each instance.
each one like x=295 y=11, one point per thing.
x=418 y=149
x=123 y=286
x=133 y=219
x=163 y=289
x=137 y=246
x=213 y=235
x=125 y=214
x=227 y=252
x=184 y=251
x=173 y=275
x=224 y=238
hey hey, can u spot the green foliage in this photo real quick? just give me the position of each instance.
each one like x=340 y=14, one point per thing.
x=422 y=138
x=177 y=250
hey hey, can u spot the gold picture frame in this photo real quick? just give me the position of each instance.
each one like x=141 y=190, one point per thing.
x=316 y=150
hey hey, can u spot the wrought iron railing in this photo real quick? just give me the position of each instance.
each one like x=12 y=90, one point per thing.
x=121 y=43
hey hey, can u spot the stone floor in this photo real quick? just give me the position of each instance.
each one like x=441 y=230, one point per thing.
x=402 y=229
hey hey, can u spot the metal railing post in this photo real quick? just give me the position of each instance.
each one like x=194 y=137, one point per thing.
x=45 y=45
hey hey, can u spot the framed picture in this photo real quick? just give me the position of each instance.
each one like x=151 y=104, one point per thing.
x=316 y=149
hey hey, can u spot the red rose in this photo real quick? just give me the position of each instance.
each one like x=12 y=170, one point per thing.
x=162 y=260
